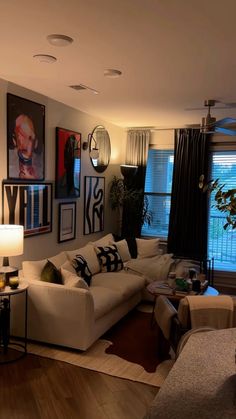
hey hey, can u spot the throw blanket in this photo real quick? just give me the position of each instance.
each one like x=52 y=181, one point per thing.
x=158 y=267
x=216 y=312
x=155 y=268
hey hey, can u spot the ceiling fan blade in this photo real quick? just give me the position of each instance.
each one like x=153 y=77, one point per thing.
x=225 y=121
x=225 y=131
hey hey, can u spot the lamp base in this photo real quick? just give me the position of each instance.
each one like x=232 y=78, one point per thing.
x=8 y=271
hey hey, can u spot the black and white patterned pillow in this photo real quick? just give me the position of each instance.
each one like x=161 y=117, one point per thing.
x=109 y=258
x=82 y=269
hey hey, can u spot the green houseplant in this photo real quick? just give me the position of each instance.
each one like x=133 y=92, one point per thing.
x=225 y=201
x=120 y=195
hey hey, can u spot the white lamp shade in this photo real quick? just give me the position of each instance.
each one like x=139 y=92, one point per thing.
x=11 y=240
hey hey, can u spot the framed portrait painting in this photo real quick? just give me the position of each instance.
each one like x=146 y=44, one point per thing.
x=94 y=191
x=28 y=204
x=67 y=221
x=68 y=163
x=25 y=139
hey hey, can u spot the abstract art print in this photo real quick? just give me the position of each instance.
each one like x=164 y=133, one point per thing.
x=94 y=204
x=67 y=221
x=68 y=162
x=29 y=205
x=25 y=139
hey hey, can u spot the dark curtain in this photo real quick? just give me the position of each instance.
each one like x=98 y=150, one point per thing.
x=189 y=206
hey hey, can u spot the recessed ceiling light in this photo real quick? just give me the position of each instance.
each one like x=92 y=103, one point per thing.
x=112 y=73
x=59 y=40
x=44 y=58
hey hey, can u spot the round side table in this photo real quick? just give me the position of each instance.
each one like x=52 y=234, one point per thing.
x=11 y=350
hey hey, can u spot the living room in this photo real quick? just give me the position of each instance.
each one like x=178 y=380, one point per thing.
x=171 y=58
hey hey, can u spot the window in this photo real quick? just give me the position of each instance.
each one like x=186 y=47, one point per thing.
x=222 y=243
x=158 y=184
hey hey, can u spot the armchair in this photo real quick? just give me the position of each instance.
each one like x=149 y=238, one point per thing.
x=219 y=312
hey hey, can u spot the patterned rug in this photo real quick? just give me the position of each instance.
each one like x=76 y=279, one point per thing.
x=124 y=351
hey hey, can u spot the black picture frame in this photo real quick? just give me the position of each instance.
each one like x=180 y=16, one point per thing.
x=25 y=139
x=66 y=221
x=68 y=163
x=94 y=198
x=28 y=204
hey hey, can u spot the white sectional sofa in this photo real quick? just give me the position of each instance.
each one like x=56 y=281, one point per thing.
x=75 y=316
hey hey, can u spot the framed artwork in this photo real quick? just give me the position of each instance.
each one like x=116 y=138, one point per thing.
x=28 y=204
x=94 y=191
x=67 y=221
x=68 y=163
x=25 y=139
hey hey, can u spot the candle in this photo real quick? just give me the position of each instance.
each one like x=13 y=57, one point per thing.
x=2 y=281
x=14 y=282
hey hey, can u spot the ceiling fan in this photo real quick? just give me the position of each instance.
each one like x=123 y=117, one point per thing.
x=209 y=123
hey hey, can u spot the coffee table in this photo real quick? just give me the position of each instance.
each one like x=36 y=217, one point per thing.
x=155 y=290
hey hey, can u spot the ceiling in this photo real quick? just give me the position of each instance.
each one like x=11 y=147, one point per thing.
x=172 y=54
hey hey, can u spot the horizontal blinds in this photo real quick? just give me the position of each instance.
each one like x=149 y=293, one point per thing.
x=222 y=243
x=159 y=171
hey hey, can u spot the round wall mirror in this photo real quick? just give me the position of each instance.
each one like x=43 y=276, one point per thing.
x=99 y=148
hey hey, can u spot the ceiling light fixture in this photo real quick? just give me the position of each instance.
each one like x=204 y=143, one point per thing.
x=112 y=73
x=59 y=40
x=44 y=58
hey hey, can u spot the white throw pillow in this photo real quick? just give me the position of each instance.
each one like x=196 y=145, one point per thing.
x=59 y=259
x=147 y=248
x=72 y=280
x=69 y=267
x=32 y=269
x=123 y=249
x=104 y=241
x=89 y=254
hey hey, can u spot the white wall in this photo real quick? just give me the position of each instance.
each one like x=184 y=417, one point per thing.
x=60 y=115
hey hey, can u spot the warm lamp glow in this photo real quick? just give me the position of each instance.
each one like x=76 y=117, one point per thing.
x=11 y=240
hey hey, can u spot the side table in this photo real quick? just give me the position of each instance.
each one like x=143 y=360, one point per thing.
x=11 y=350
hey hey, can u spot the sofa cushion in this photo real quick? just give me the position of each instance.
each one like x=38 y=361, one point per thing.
x=51 y=274
x=105 y=300
x=70 y=279
x=123 y=249
x=32 y=268
x=123 y=282
x=82 y=269
x=104 y=241
x=147 y=248
x=89 y=254
x=58 y=259
x=109 y=257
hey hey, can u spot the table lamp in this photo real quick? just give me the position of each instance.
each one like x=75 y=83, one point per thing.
x=11 y=244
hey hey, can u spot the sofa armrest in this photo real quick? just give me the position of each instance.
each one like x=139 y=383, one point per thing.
x=57 y=314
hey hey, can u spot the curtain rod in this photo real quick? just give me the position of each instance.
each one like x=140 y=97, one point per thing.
x=153 y=128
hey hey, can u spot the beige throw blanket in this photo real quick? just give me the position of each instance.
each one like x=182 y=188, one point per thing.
x=216 y=312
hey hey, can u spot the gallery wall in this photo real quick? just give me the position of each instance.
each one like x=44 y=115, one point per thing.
x=60 y=115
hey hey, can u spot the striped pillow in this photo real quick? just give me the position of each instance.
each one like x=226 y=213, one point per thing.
x=109 y=258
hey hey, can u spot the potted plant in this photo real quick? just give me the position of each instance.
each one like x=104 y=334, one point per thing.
x=121 y=195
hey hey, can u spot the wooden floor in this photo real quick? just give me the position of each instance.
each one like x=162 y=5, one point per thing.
x=35 y=388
